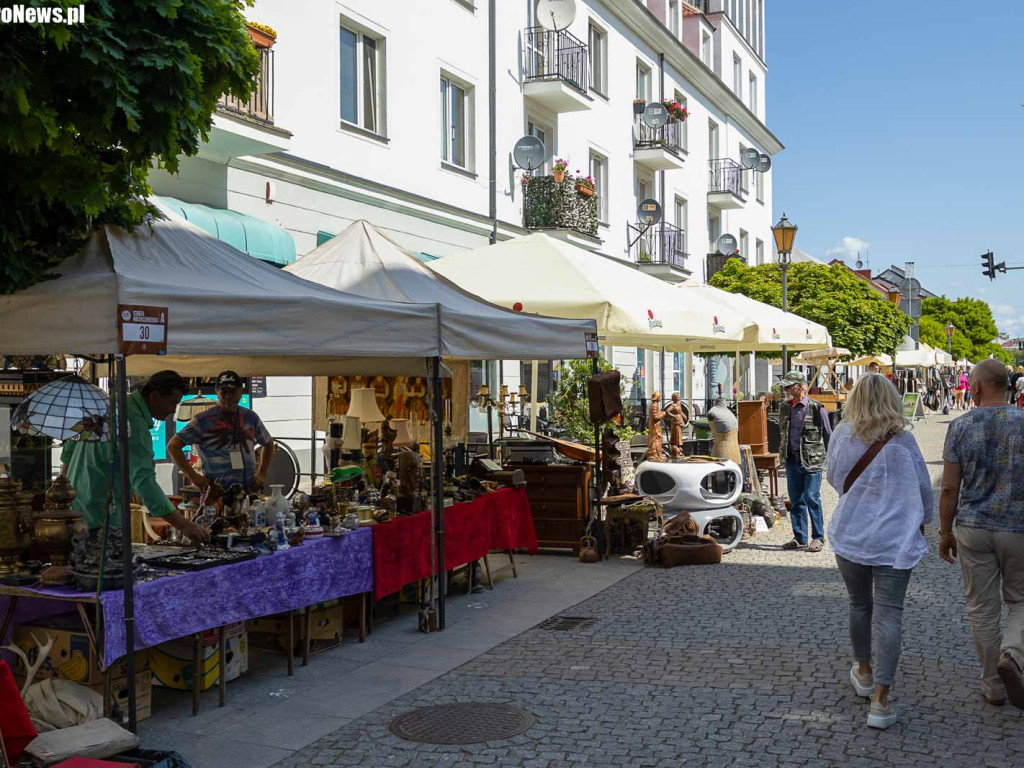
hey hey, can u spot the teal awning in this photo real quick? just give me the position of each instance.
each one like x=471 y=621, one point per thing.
x=254 y=236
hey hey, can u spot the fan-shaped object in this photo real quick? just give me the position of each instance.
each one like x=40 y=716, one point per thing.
x=64 y=409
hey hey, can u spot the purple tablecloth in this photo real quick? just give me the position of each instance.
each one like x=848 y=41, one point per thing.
x=179 y=605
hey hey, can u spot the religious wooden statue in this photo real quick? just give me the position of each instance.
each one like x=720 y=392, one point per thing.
x=655 y=451
x=387 y=437
x=399 y=392
x=417 y=399
x=678 y=417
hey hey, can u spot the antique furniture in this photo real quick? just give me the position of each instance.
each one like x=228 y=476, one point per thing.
x=753 y=418
x=558 y=502
x=769 y=464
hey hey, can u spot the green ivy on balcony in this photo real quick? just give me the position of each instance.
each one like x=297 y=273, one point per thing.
x=547 y=205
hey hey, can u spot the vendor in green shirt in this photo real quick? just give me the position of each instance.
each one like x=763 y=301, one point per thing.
x=87 y=462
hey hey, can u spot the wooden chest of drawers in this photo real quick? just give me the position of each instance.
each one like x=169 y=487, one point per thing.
x=558 y=502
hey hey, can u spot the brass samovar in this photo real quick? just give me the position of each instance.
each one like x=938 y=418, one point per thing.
x=15 y=524
x=53 y=530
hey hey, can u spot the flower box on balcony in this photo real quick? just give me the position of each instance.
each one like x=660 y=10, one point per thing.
x=584 y=189
x=549 y=205
x=261 y=35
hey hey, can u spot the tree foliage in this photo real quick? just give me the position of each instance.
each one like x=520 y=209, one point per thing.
x=975 y=328
x=570 y=404
x=856 y=316
x=86 y=111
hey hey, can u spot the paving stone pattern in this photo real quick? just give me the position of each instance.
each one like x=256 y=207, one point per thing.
x=744 y=663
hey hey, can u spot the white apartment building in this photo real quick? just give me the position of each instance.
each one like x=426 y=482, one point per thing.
x=380 y=110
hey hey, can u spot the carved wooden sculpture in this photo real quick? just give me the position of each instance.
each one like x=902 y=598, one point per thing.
x=678 y=418
x=655 y=451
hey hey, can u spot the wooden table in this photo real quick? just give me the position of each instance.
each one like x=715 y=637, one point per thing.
x=769 y=463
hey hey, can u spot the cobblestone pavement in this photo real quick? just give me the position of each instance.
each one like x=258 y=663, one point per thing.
x=744 y=663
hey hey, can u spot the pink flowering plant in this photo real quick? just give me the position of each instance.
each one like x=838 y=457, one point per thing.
x=561 y=165
x=676 y=110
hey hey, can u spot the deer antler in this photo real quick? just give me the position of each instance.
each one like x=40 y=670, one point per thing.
x=41 y=656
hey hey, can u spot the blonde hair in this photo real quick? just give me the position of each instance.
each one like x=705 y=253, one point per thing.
x=874 y=409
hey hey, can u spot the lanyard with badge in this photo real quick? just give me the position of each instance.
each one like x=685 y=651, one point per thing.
x=236 y=450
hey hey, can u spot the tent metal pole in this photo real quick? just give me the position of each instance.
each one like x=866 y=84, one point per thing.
x=492 y=116
x=124 y=482
x=437 y=460
x=534 y=378
x=595 y=508
x=661 y=362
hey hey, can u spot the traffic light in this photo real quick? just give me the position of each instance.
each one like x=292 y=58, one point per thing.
x=988 y=265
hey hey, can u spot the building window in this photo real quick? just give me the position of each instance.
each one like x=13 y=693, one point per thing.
x=640 y=376
x=362 y=79
x=644 y=189
x=673 y=18
x=743 y=173
x=737 y=76
x=705 y=49
x=712 y=140
x=454 y=123
x=599 y=173
x=680 y=213
x=752 y=95
x=759 y=186
x=759 y=249
x=684 y=131
x=598 y=59
x=643 y=81
x=744 y=244
x=677 y=372
x=545 y=134
x=714 y=226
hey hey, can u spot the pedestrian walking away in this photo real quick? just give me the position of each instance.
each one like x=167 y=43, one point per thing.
x=981 y=481
x=959 y=389
x=805 y=429
x=877 y=531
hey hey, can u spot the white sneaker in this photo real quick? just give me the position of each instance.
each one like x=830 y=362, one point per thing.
x=863 y=688
x=881 y=717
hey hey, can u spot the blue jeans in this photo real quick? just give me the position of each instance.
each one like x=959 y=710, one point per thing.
x=805 y=496
x=876 y=597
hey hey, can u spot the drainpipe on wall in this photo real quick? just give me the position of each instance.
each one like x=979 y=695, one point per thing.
x=492 y=107
x=661 y=193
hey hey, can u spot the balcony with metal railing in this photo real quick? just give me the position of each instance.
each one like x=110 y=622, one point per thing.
x=658 y=149
x=548 y=204
x=659 y=250
x=556 y=70
x=246 y=127
x=726 y=186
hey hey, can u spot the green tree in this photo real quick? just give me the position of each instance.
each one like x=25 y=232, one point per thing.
x=87 y=110
x=859 y=318
x=570 y=403
x=975 y=328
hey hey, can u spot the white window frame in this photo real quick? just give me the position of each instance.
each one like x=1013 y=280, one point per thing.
x=745 y=245
x=759 y=251
x=714 y=137
x=752 y=96
x=759 y=186
x=453 y=83
x=737 y=76
x=598 y=58
x=673 y=18
x=646 y=180
x=643 y=76
x=744 y=186
x=533 y=123
x=705 y=48
x=598 y=169
x=684 y=131
x=380 y=47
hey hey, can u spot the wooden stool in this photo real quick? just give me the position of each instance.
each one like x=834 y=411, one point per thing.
x=769 y=464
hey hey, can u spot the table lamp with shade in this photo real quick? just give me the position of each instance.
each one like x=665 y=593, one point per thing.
x=363 y=406
x=403 y=437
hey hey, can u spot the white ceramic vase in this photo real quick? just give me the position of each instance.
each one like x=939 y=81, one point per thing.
x=277 y=505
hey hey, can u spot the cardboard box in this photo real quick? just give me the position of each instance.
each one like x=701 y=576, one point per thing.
x=143 y=693
x=326 y=628
x=70 y=658
x=172 y=663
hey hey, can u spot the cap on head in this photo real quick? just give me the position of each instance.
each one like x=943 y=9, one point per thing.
x=793 y=378
x=228 y=379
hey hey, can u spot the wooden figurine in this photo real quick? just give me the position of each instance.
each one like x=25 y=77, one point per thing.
x=655 y=451
x=387 y=437
x=678 y=419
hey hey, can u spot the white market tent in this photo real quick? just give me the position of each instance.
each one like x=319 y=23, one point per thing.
x=224 y=309
x=943 y=358
x=363 y=261
x=542 y=274
x=768 y=328
x=923 y=357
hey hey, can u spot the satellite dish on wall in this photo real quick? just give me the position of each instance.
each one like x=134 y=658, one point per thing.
x=655 y=115
x=556 y=15
x=727 y=245
x=749 y=158
x=764 y=164
x=529 y=153
x=648 y=212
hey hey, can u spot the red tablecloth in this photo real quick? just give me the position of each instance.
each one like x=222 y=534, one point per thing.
x=401 y=547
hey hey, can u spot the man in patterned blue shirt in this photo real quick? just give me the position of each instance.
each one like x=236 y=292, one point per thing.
x=227 y=436
x=981 y=489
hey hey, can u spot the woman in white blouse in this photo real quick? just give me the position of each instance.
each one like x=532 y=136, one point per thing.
x=877 y=530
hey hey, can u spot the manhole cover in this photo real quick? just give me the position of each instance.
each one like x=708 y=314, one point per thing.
x=567 y=623
x=468 y=723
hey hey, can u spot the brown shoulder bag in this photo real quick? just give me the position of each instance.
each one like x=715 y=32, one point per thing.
x=863 y=462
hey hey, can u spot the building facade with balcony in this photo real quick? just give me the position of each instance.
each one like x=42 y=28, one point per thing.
x=381 y=111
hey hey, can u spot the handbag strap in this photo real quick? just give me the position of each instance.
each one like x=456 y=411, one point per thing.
x=863 y=462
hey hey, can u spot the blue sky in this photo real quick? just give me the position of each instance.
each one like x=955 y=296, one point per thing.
x=904 y=135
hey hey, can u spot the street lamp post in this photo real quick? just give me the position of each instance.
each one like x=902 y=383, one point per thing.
x=950 y=330
x=785 y=234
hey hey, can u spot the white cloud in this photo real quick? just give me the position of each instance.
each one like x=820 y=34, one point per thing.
x=1009 y=319
x=848 y=248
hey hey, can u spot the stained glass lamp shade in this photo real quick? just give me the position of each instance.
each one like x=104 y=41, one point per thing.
x=64 y=409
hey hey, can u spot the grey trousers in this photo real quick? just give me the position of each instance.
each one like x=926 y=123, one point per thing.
x=993 y=566
x=876 y=597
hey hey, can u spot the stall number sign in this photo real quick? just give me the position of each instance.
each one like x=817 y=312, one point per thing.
x=141 y=330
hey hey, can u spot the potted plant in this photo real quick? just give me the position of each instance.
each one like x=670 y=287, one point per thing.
x=262 y=36
x=676 y=111
x=585 y=185
x=644 y=257
x=638 y=106
x=559 y=170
